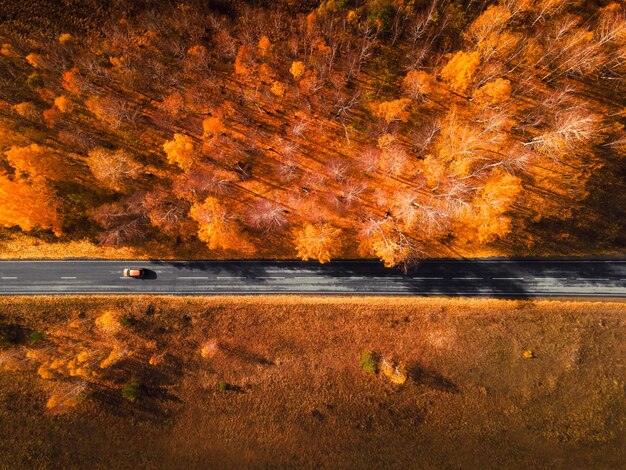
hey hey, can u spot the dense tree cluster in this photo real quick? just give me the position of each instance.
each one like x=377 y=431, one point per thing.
x=387 y=128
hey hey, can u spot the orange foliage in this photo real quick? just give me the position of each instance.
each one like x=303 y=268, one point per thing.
x=51 y=116
x=213 y=127
x=244 y=64
x=217 y=227
x=311 y=20
x=109 y=322
x=173 y=103
x=27 y=206
x=180 y=151
x=27 y=110
x=485 y=220
x=71 y=81
x=417 y=83
x=113 y=169
x=36 y=162
x=65 y=397
x=7 y=50
x=63 y=104
x=265 y=45
x=493 y=92
x=278 y=88
x=320 y=241
x=297 y=69
x=65 y=38
x=460 y=70
x=36 y=60
x=395 y=110
x=498 y=45
x=494 y=18
x=383 y=239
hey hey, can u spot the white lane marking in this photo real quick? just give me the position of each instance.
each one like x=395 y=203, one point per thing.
x=290 y=270
x=269 y=277
x=508 y=278
x=467 y=278
x=590 y=279
x=193 y=277
x=9 y=277
x=550 y=278
x=231 y=277
x=428 y=278
x=68 y=277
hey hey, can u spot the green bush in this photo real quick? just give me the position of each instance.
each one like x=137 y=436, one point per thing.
x=34 y=81
x=223 y=386
x=369 y=362
x=131 y=390
x=35 y=337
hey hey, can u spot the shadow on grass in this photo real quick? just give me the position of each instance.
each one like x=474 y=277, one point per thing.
x=432 y=379
x=245 y=355
x=154 y=397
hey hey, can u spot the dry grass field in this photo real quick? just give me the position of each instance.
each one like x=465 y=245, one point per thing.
x=275 y=382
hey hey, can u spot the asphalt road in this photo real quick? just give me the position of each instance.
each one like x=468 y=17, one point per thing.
x=484 y=277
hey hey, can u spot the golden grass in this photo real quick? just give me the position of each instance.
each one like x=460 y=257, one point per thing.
x=299 y=398
x=20 y=246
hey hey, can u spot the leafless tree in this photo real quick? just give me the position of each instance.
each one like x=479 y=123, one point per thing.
x=268 y=216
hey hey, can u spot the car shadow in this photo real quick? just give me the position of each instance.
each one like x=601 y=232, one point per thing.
x=149 y=274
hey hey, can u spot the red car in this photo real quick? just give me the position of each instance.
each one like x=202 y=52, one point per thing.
x=134 y=272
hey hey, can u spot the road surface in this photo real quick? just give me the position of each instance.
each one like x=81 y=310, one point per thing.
x=484 y=277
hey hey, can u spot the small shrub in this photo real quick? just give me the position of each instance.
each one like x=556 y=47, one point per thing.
x=395 y=372
x=223 y=386
x=109 y=322
x=35 y=337
x=369 y=362
x=34 y=81
x=131 y=390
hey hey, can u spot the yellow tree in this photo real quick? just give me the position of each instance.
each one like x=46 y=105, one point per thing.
x=485 y=219
x=492 y=19
x=63 y=104
x=265 y=46
x=383 y=239
x=493 y=92
x=459 y=71
x=297 y=69
x=27 y=206
x=36 y=162
x=218 y=228
x=180 y=151
x=395 y=110
x=319 y=241
x=71 y=81
x=244 y=62
x=212 y=127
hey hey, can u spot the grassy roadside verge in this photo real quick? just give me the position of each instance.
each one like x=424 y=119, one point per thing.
x=276 y=382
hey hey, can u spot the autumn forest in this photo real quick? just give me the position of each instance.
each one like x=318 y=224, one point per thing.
x=389 y=129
